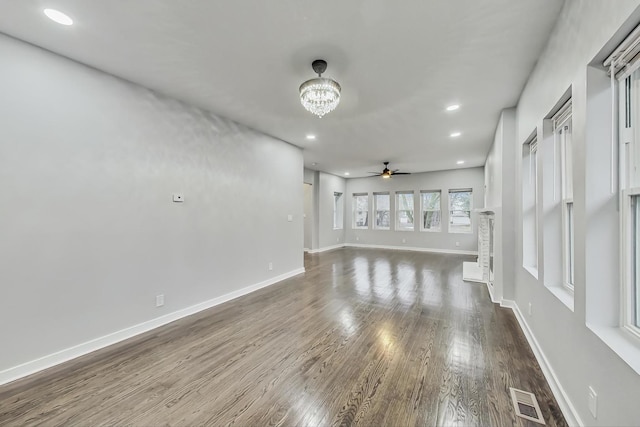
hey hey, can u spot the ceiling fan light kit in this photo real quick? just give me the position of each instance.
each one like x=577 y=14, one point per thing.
x=320 y=95
x=387 y=173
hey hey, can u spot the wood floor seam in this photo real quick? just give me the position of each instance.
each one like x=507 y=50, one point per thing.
x=363 y=337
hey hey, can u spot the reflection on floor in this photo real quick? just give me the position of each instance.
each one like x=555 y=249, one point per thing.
x=365 y=336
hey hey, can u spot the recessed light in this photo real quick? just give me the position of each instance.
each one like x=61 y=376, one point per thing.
x=453 y=107
x=346 y=173
x=59 y=17
x=311 y=137
x=455 y=134
x=460 y=162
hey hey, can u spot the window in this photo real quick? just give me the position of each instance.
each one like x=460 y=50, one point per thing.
x=629 y=187
x=562 y=134
x=361 y=211
x=530 y=205
x=338 y=209
x=460 y=202
x=404 y=211
x=430 y=208
x=635 y=303
x=381 y=202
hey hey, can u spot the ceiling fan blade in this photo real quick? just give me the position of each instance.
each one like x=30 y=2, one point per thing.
x=375 y=173
x=395 y=170
x=401 y=173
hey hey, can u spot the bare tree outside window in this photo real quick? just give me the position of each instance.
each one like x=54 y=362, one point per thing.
x=460 y=211
x=431 y=210
x=360 y=211
x=404 y=211
x=382 y=206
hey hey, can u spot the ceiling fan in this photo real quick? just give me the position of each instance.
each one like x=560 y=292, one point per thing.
x=387 y=173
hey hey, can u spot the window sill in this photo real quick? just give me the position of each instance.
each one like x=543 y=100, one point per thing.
x=360 y=228
x=335 y=229
x=626 y=346
x=382 y=229
x=563 y=294
x=405 y=229
x=460 y=232
x=531 y=270
x=432 y=231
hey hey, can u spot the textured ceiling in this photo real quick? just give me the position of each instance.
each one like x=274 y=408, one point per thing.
x=400 y=63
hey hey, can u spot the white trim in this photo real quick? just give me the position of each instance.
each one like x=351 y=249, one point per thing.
x=412 y=248
x=50 y=360
x=568 y=410
x=565 y=296
x=532 y=271
x=326 y=248
x=621 y=341
x=490 y=289
x=628 y=262
x=562 y=115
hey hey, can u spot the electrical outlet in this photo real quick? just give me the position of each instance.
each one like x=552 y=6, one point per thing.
x=270 y=266
x=404 y=240
x=160 y=300
x=593 y=402
x=530 y=309
x=357 y=239
x=337 y=239
x=290 y=218
x=178 y=198
x=457 y=244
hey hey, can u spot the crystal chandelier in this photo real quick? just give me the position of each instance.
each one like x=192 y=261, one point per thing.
x=320 y=95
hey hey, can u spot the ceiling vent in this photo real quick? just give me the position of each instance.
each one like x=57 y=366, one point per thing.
x=526 y=405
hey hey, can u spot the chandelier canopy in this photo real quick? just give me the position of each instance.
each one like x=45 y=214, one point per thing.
x=320 y=95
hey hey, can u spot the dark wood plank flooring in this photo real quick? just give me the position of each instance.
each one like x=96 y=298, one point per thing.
x=364 y=337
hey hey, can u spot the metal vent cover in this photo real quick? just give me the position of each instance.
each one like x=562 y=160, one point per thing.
x=526 y=405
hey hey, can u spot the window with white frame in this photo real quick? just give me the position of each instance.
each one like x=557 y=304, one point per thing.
x=530 y=204
x=629 y=179
x=460 y=205
x=404 y=211
x=562 y=134
x=361 y=211
x=338 y=211
x=624 y=65
x=382 y=208
x=431 y=210
x=634 y=295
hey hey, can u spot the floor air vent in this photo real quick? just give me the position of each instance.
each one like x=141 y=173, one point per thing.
x=526 y=405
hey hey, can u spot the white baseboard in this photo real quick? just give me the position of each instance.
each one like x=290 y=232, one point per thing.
x=412 y=248
x=70 y=353
x=326 y=248
x=568 y=410
x=490 y=289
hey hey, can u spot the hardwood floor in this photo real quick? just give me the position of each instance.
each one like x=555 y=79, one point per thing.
x=366 y=337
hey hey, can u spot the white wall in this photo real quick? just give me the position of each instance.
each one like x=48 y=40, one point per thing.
x=576 y=354
x=308 y=216
x=89 y=232
x=499 y=195
x=443 y=180
x=312 y=178
x=327 y=185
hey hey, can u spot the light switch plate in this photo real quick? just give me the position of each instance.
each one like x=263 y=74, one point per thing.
x=289 y=217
